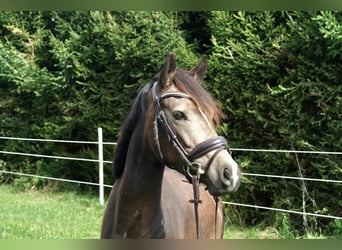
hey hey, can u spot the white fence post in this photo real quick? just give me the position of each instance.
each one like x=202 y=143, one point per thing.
x=101 y=186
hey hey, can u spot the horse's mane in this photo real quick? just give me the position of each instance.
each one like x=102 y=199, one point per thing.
x=126 y=131
x=208 y=104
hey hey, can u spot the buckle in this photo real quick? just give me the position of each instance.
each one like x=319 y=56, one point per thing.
x=196 y=167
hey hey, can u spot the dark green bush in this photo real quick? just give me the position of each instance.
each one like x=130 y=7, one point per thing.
x=277 y=75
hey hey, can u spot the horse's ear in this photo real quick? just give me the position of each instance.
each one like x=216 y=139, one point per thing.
x=168 y=71
x=199 y=71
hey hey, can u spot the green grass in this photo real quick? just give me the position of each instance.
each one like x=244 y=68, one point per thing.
x=234 y=232
x=66 y=215
x=70 y=215
x=48 y=215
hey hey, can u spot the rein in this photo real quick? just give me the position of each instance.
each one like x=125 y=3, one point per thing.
x=192 y=168
x=197 y=201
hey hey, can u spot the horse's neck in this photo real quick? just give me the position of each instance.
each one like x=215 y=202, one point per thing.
x=140 y=188
x=143 y=172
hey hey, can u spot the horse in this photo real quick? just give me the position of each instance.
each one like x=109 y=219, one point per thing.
x=168 y=139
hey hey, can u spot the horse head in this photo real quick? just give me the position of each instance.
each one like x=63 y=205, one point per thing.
x=182 y=128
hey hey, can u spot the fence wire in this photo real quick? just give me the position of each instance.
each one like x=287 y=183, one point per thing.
x=224 y=202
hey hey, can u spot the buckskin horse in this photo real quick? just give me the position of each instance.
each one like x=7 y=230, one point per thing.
x=167 y=141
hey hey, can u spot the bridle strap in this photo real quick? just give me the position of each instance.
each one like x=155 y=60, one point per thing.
x=159 y=117
x=207 y=146
x=196 y=201
x=173 y=139
x=216 y=211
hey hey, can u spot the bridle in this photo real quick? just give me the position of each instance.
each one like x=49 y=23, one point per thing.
x=217 y=143
x=192 y=168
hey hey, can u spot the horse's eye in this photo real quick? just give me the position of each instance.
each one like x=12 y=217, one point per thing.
x=178 y=115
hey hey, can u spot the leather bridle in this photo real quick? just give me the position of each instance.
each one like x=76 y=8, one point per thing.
x=217 y=143
x=192 y=168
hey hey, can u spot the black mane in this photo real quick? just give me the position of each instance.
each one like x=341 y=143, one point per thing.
x=126 y=131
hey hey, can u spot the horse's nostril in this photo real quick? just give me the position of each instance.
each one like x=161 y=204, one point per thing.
x=226 y=174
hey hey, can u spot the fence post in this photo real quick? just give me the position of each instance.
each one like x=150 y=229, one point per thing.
x=101 y=186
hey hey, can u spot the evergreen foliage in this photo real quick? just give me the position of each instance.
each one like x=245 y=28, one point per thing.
x=279 y=83
x=276 y=74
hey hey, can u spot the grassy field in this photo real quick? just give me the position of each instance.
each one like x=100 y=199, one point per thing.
x=48 y=215
x=68 y=215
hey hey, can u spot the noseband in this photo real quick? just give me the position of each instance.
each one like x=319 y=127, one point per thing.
x=217 y=143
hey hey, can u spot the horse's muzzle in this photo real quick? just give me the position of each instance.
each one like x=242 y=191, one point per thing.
x=225 y=180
